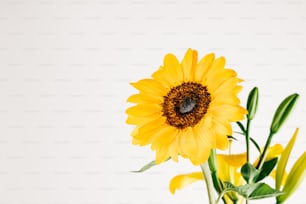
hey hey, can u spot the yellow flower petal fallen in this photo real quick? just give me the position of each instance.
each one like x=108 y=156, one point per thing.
x=181 y=181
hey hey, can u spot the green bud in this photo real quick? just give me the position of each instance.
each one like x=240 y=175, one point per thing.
x=283 y=112
x=252 y=103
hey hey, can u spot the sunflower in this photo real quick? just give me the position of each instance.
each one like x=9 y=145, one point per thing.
x=186 y=108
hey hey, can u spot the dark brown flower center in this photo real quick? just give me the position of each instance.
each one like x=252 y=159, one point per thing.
x=186 y=104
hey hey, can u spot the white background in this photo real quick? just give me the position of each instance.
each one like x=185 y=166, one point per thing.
x=65 y=68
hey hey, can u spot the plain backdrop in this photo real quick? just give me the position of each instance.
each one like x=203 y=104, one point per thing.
x=65 y=69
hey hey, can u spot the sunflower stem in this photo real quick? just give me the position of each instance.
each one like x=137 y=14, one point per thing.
x=213 y=169
x=209 y=182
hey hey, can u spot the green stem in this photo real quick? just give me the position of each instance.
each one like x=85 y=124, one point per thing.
x=213 y=169
x=265 y=151
x=209 y=182
x=251 y=139
x=247 y=140
x=220 y=196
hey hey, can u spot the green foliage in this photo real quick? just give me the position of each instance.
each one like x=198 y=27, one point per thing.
x=147 y=166
x=253 y=191
x=249 y=172
x=252 y=103
x=282 y=112
x=266 y=169
x=294 y=179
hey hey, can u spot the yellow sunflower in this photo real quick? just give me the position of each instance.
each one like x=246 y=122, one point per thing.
x=186 y=108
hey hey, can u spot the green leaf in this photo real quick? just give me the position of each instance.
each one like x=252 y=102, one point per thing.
x=281 y=167
x=249 y=172
x=283 y=112
x=252 y=103
x=255 y=144
x=264 y=191
x=294 y=179
x=266 y=169
x=147 y=166
x=253 y=191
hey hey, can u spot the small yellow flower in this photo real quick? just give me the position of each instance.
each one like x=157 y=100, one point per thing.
x=186 y=107
x=228 y=166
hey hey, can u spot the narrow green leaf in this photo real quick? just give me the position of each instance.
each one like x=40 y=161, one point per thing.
x=283 y=112
x=266 y=169
x=255 y=144
x=249 y=172
x=294 y=179
x=231 y=137
x=147 y=166
x=252 y=103
x=281 y=167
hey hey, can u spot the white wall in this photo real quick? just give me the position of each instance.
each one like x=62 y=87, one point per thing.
x=65 y=68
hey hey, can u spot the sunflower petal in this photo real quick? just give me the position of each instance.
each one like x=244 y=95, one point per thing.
x=173 y=67
x=161 y=155
x=145 y=98
x=189 y=146
x=180 y=181
x=215 y=69
x=144 y=110
x=189 y=64
x=203 y=66
x=150 y=86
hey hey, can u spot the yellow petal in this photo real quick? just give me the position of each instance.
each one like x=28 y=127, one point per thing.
x=228 y=166
x=140 y=121
x=204 y=66
x=189 y=63
x=295 y=177
x=273 y=152
x=162 y=155
x=222 y=79
x=173 y=68
x=164 y=136
x=216 y=68
x=273 y=175
x=180 y=181
x=150 y=86
x=144 y=110
x=145 y=98
x=230 y=112
x=235 y=160
x=163 y=77
x=223 y=169
x=146 y=133
x=204 y=147
x=204 y=133
x=174 y=150
x=222 y=129
x=189 y=146
x=225 y=87
x=282 y=163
